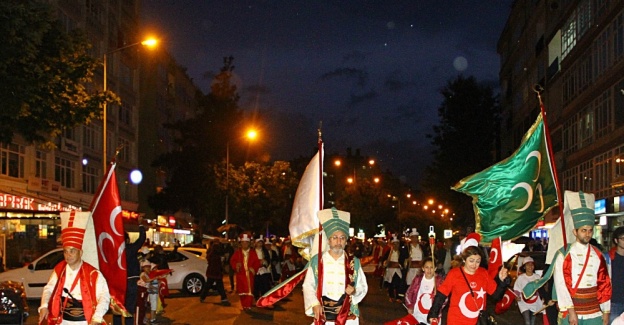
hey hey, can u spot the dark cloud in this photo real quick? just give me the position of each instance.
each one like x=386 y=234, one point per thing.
x=360 y=76
x=358 y=99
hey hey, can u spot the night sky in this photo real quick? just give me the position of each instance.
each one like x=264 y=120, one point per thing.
x=371 y=71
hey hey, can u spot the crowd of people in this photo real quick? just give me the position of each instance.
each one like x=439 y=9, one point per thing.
x=581 y=286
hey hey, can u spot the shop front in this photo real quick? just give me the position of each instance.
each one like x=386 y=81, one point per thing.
x=29 y=227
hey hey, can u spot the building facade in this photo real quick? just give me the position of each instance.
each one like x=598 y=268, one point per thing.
x=575 y=51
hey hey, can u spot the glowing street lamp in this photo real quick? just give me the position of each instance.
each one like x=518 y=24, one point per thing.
x=251 y=135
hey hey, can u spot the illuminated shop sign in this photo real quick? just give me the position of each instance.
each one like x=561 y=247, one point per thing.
x=9 y=201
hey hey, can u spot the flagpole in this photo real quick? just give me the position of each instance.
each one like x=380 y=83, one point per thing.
x=319 y=287
x=538 y=89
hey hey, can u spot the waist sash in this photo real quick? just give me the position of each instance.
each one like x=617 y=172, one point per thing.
x=73 y=310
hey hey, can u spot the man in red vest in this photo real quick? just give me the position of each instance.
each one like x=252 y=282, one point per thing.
x=76 y=291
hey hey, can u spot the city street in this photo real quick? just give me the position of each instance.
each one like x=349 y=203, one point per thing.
x=182 y=309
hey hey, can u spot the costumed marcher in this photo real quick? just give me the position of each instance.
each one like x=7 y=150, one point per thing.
x=262 y=281
x=421 y=292
x=616 y=255
x=415 y=257
x=344 y=283
x=468 y=285
x=289 y=259
x=393 y=277
x=527 y=306
x=245 y=264
x=133 y=272
x=380 y=249
x=445 y=256
x=76 y=292
x=214 y=272
x=273 y=258
x=581 y=279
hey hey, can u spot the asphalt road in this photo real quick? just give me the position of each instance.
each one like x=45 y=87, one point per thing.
x=182 y=309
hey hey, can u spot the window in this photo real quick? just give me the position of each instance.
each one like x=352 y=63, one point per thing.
x=41 y=164
x=125 y=148
x=92 y=137
x=12 y=160
x=586 y=127
x=64 y=170
x=125 y=115
x=89 y=179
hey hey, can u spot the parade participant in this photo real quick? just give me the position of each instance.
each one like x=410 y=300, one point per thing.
x=580 y=273
x=151 y=284
x=289 y=258
x=274 y=258
x=527 y=306
x=393 y=278
x=245 y=264
x=445 y=256
x=415 y=257
x=214 y=272
x=344 y=283
x=159 y=258
x=379 y=250
x=76 y=292
x=143 y=296
x=616 y=255
x=262 y=281
x=468 y=286
x=422 y=290
x=133 y=273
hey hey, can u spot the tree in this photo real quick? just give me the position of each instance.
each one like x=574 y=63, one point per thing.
x=45 y=74
x=465 y=142
x=261 y=195
x=201 y=144
x=368 y=205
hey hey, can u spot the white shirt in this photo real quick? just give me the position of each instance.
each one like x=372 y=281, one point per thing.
x=523 y=305
x=424 y=299
x=333 y=283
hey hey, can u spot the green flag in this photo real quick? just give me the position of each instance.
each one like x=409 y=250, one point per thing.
x=509 y=197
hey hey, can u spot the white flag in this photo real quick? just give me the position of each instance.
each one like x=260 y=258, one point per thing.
x=304 y=222
x=555 y=234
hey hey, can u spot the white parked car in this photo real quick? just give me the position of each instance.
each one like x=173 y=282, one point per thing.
x=188 y=272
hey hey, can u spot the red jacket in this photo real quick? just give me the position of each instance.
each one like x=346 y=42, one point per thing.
x=88 y=277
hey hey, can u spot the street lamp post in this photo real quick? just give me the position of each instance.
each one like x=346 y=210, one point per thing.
x=250 y=135
x=148 y=42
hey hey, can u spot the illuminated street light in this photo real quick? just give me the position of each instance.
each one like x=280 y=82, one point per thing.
x=376 y=180
x=430 y=201
x=371 y=162
x=149 y=43
x=251 y=135
x=337 y=162
x=350 y=180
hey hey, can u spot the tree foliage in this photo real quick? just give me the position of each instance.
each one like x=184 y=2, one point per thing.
x=465 y=141
x=201 y=143
x=261 y=195
x=369 y=206
x=44 y=73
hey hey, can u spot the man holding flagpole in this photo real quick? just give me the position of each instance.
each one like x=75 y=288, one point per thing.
x=76 y=292
x=343 y=281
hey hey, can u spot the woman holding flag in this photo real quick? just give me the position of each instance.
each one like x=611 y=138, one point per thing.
x=468 y=285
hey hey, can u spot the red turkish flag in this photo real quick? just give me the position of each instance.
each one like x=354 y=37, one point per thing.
x=504 y=304
x=406 y=320
x=109 y=233
x=496 y=257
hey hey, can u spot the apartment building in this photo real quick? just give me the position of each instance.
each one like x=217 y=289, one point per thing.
x=575 y=51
